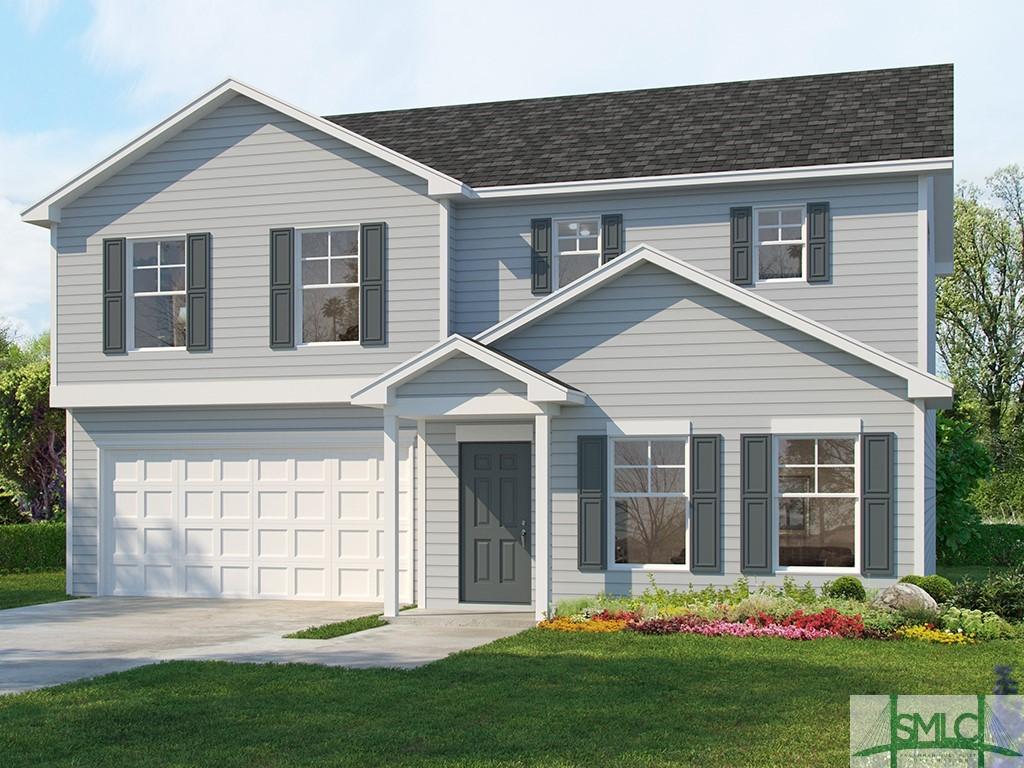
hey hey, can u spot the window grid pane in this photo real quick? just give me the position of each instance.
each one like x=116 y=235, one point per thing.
x=817 y=504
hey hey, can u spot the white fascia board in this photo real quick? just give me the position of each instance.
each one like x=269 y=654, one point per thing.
x=539 y=388
x=794 y=173
x=47 y=211
x=920 y=384
x=281 y=391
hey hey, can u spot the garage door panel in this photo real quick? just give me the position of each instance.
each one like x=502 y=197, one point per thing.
x=302 y=524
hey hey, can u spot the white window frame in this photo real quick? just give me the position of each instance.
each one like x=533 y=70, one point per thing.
x=776 y=498
x=756 y=230
x=129 y=284
x=300 y=287
x=557 y=252
x=612 y=495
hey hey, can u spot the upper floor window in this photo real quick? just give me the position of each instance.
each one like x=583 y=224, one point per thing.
x=779 y=237
x=577 y=249
x=649 y=500
x=158 y=307
x=817 y=501
x=329 y=273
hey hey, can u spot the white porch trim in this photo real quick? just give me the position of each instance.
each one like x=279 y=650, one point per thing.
x=540 y=388
x=390 y=513
x=542 y=512
x=420 y=513
x=493 y=433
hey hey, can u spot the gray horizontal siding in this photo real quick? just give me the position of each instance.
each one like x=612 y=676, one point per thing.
x=872 y=297
x=464 y=375
x=237 y=173
x=724 y=367
x=89 y=425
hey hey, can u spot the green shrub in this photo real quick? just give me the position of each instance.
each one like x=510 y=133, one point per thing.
x=776 y=606
x=1001 y=497
x=983 y=625
x=881 y=624
x=845 y=587
x=939 y=587
x=31 y=547
x=1001 y=593
x=961 y=461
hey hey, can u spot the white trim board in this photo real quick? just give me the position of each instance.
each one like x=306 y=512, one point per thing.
x=920 y=384
x=47 y=211
x=817 y=426
x=671 y=181
x=494 y=433
x=648 y=428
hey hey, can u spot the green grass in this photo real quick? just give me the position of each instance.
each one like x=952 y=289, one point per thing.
x=957 y=573
x=539 y=698
x=339 y=628
x=18 y=589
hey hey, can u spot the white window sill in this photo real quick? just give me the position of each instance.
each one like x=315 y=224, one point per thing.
x=668 y=567
x=327 y=344
x=182 y=348
x=813 y=571
x=781 y=280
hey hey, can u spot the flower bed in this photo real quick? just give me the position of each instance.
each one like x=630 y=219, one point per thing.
x=788 y=611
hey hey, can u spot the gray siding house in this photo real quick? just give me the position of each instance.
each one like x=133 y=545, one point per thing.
x=508 y=353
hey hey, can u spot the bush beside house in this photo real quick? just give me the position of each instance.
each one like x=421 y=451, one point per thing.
x=32 y=547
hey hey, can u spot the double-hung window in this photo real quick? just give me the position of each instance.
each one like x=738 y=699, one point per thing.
x=648 y=494
x=817 y=501
x=780 y=243
x=158 y=306
x=577 y=249
x=329 y=272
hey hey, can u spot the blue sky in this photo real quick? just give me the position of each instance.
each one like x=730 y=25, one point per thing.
x=80 y=78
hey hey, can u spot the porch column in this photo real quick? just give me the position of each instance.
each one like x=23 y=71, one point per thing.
x=542 y=507
x=389 y=513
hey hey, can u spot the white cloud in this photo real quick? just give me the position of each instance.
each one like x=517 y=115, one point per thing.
x=35 y=12
x=32 y=165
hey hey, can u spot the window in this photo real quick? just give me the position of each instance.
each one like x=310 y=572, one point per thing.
x=578 y=249
x=780 y=243
x=158 y=293
x=649 y=500
x=329 y=271
x=817 y=502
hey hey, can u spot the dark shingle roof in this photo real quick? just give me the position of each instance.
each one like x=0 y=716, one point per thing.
x=885 y=114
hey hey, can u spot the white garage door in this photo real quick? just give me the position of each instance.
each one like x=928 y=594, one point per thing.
x=266 y=523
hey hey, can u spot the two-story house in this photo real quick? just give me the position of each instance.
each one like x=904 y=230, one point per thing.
x=507 y=353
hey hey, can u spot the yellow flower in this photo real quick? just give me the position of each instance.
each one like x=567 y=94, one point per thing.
x=566 y=624
x=930 y=635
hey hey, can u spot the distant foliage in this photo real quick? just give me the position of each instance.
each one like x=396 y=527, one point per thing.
x=961 y=462
x=995 y=544
x=1001 y=593
x=1000 y=498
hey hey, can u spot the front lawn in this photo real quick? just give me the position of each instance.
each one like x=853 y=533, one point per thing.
x=18 y=589
x=539 y=698
x=339 y=628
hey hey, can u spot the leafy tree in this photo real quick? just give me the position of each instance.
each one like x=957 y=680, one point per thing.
x=980 y=309
x=961 y=462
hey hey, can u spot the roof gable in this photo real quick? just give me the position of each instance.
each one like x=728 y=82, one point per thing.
x=920 y=384
x=47 y=210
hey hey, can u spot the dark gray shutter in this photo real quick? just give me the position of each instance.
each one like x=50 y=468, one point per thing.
x=113 y=296
x=756 y=504
x=197 y=284
x=282 y=288
x=741 y=246
x=592 y=479
x=373 y=274
x=540 y=252
x=706 y=502
x=819 y=254
x=611 y=236
x=876 y=490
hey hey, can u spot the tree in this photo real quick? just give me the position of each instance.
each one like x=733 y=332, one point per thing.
x=980 y=308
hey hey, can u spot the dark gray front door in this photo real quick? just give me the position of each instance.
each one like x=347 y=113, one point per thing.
x=494 y=522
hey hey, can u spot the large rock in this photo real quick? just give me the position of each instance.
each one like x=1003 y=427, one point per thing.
x=905 y=597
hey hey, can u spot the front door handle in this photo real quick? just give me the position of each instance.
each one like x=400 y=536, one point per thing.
x=522 y=533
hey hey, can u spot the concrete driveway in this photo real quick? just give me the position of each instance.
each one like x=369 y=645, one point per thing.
x=44 y=645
